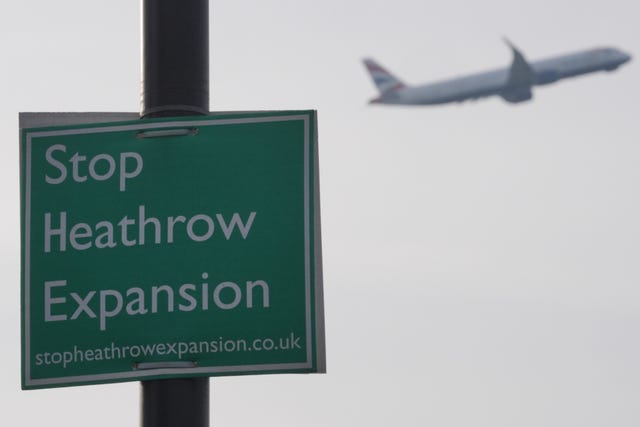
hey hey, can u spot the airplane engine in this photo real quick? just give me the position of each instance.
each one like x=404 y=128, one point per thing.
x=515 y=95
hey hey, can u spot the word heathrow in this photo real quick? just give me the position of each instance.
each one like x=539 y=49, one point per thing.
x=132 y=231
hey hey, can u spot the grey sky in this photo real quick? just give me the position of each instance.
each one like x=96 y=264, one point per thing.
x=480 y=260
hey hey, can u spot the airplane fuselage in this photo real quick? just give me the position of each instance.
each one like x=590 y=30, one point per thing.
x=501 y=81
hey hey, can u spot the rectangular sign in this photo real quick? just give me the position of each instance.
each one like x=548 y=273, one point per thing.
x=171 y=248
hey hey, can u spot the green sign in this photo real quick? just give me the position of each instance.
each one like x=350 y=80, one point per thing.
x=174 y=248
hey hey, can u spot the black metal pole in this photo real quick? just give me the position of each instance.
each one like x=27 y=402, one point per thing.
x=175 y=82
x=175 y=57
x=179 y=402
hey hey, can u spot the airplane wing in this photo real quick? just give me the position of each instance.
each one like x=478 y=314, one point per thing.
x=520 y=79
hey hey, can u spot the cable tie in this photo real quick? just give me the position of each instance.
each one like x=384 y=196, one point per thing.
x=161 y=133
x=183 y=364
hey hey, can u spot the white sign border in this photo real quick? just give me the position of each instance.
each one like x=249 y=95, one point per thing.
x=309 y=144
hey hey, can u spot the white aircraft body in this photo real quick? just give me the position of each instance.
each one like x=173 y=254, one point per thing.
x=513 y=84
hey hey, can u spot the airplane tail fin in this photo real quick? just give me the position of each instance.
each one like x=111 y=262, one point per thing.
x=384 y=80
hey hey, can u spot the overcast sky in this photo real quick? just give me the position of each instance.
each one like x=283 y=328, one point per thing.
x=480 y=260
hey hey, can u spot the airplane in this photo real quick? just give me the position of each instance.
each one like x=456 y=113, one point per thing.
x=513 y=84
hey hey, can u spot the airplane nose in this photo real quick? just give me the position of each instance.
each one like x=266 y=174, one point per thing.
x=625 y=58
